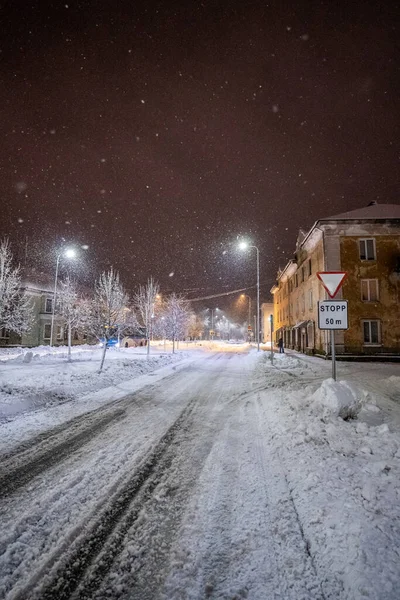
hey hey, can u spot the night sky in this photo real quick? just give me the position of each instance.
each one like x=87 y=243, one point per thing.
x=156 y=133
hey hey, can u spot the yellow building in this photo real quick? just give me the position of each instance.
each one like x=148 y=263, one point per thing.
x=365 y=243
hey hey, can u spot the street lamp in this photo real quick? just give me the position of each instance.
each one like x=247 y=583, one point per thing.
x=243 y=246
x=68 y=253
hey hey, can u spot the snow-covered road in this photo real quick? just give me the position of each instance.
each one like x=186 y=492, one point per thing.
x=220 y=480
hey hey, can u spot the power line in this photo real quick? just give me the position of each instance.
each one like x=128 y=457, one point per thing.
x=223 y=294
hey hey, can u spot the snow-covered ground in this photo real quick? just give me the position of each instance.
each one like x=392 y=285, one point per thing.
x=43 y=377
x=217 y=475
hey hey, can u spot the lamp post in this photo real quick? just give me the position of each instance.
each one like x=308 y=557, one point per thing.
x=244 y=246
x=68 y=253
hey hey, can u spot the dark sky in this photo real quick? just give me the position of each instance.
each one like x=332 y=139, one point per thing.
x=155 y=133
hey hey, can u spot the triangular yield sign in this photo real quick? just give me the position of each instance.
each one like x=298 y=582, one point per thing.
x=332 y=281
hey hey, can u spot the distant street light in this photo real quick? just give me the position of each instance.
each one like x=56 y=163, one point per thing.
x=243 y=246
x=67 y=253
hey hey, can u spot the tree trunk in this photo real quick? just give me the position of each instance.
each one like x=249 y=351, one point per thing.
x=69 y=342
x=173 y=344
x=103 y=355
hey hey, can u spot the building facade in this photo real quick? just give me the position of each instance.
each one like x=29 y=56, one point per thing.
x=364 y=243
x=267 y=309
x=41 y=296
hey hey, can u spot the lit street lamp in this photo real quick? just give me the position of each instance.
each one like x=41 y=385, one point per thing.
x=243 y=246
x=68 y=253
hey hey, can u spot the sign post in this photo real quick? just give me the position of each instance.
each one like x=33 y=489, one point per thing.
x=271 y=321
x=332 y=314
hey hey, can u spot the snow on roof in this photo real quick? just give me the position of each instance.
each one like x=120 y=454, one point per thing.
x=372 y=211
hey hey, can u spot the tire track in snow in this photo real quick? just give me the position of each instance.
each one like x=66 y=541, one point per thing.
x=16 y=477
x=50 y=448
x=64 y=571
x=287 y=520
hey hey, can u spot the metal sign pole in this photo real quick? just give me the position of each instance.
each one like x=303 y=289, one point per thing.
x=333 y=354
x=272 y=347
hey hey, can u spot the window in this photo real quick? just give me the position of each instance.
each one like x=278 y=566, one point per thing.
x=371 y=332
x=59 y=335
x=47 y=331
x=369 y=290
x=49 y=305
x=310 y=299
x=296 y=280
x=302 y=274
x=367 y=249
x=4 y=333
x=309 y=268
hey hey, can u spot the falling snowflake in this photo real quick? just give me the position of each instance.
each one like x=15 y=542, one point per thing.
x=171 y=274
x=20 y=186
x=20 y=220
x=85 y=247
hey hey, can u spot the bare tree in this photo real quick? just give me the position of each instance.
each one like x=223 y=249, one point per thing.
x=15 y=305
x=144 y=302
x=107 y=310
x=176 y=318
x=195 y=326
x=70 y=308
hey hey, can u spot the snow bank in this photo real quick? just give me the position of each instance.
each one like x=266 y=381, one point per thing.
x=339 y=399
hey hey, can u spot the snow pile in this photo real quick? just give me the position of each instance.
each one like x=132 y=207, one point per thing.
x=339 y=399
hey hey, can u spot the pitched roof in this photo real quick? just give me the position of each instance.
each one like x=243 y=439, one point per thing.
x=372 y=211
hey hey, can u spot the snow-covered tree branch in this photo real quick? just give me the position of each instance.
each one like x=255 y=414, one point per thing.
x=144 y=301
x=176 y=316
x=108 y=308
x=70 y=309
x=15 y=305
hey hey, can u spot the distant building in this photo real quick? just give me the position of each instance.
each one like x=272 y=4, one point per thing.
x=267 y=309
x=366 y=244
x=41 y=292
